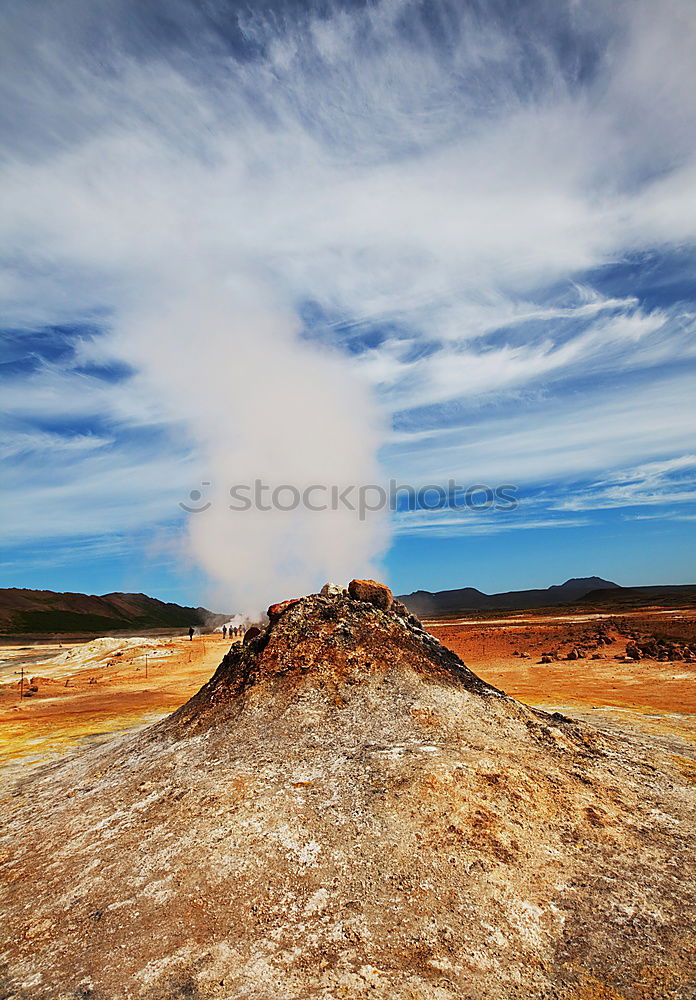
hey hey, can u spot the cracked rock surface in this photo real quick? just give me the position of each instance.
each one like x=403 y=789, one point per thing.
x=344 y=811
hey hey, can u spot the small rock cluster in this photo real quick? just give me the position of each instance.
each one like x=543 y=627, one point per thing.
x=367 y=591
x=580 y=650
x=659 y=649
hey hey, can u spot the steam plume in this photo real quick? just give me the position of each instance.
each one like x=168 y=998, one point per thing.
x=262 y=404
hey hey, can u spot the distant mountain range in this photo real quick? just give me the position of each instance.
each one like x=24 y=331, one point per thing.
x=425 y=603
x=45 y=611
x=26 y=612
x=676 y=596
x=589 y=590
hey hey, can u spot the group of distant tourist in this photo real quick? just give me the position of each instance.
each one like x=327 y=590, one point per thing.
x=233 y=630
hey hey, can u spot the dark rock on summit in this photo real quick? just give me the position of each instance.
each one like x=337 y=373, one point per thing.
x=374 y=593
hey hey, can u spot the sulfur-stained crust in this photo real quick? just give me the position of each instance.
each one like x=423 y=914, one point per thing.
x=346 y=811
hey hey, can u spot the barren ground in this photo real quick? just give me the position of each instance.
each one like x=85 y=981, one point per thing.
x=92 y=698
x=346 y=812
x=647 y=696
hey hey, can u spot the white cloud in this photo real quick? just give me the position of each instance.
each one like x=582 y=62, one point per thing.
x=42 y=444
x=443 y=184
x=672 y=481
x=630 y=339
x=445 y=524
x=555 y=439
x=107 y=493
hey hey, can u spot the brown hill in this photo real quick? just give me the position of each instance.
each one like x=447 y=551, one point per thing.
x=346 y=811
x=676 y=596
x=448 y=602
x=46 y=611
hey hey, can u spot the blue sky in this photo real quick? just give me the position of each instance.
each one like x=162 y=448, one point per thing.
x=338 y=244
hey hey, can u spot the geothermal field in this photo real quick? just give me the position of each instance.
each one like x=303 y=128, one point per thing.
x=348 y=507
x=342 y=808
x=78 y=691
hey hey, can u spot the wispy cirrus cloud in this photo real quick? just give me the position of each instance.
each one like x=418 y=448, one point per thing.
x=458 y=191
x=670 y=482
x=445 y=524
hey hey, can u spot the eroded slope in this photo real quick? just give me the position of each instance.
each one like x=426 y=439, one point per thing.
x=345 y=810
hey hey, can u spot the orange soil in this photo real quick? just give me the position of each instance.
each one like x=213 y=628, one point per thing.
x=655 y=696
x=101 y=699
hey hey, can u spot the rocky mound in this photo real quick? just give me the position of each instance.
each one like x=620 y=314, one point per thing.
x=344 y=811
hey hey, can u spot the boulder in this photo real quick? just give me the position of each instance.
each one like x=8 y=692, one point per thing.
x=374 y=593
x=251 y=633
x=331 y=590
x=276 y=610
